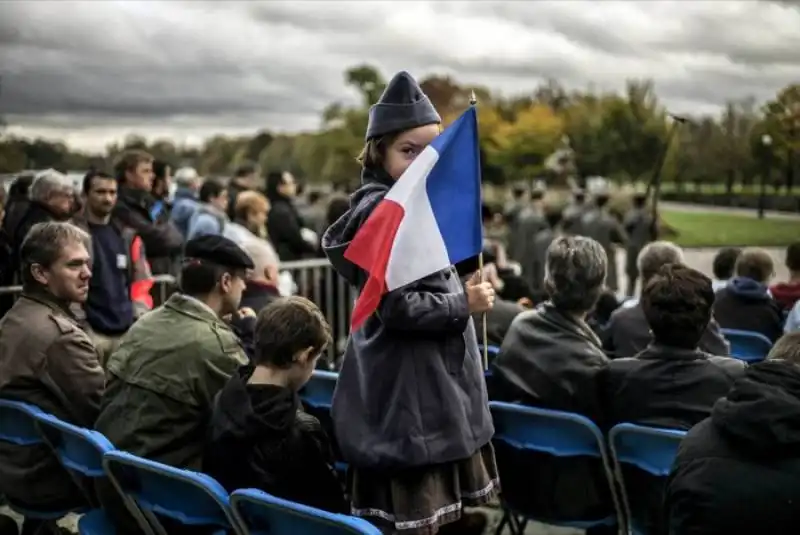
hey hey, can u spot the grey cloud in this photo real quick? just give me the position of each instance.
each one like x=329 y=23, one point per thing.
x=278 y=64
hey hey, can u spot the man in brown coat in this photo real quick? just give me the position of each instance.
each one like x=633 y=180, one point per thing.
x=48 y=361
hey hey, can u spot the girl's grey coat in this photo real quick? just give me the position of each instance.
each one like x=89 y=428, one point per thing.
x=411 y=391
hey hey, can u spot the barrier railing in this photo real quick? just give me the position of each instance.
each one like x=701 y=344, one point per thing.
x=162 y=281
x=315 y=280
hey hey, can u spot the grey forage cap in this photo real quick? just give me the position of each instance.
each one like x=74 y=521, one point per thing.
x=402 y=106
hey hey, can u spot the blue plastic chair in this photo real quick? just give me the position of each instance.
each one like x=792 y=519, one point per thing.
x=191 y=498
x=81 y=452
x=747 y=345
x=490 y=349
x=557 y=433
x=317 y=396
x=318 y=391
x=647 y=448
x=260 y=513
x=18 y=426
x=492 y=352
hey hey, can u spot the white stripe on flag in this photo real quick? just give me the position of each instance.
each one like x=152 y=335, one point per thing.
x=419 y=249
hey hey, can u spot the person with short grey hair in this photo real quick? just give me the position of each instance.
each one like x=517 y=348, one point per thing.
x=549 y=359
x=47 y=360
x=551 y=346
x=186 y=200
x=575 y=273
x=628 y=333
x=262 y=287
x=51 y=188
x=50 y=199
x=655 y=255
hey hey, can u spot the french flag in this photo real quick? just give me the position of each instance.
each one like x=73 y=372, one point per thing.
x=428 y=221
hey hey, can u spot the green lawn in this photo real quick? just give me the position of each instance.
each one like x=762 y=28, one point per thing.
x=696 y=229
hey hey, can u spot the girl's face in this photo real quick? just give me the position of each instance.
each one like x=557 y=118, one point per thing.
x=406 y=147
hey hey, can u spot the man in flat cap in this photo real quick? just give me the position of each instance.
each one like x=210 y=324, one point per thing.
x=169 y=366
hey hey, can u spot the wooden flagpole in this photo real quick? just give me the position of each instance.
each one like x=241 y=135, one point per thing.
x=473 y=101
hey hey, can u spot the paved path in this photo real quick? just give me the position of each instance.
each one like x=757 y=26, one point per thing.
x=686 y=207
x=703 y=258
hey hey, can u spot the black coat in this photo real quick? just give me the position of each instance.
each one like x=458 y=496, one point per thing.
x=665 y=387
x=284 y=225
x=259 y=437
x=738 y=472
x=162 y=239
x=551 y=360
x=662 y=387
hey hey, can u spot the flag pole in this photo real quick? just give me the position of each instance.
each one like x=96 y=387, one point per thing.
x=473 y=101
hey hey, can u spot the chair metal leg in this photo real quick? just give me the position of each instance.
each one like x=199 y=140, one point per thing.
x=503 y=521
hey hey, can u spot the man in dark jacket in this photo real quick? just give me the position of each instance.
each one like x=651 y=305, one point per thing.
x=162 y=240
x=738 y=472
x=745 y=303
x=628 y=333
x=550 y=358
x=259 y=435
x=601 y=225
x=671 y=383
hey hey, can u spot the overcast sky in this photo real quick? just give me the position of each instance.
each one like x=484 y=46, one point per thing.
x=91 y=72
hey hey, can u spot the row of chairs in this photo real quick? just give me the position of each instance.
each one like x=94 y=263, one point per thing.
x=152 y=490
x=561 y=434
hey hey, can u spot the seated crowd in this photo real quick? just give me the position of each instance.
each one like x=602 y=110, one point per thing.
x=209 y=381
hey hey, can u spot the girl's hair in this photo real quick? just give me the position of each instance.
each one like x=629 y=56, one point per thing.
x=373 y=154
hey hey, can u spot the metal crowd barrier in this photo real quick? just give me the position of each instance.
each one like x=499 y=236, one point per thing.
x=315 y=280
x=162 y=281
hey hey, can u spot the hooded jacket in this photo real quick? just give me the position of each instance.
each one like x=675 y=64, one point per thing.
x=747 y=305
x=411 y=390
x=259 y=437
x=738 y=472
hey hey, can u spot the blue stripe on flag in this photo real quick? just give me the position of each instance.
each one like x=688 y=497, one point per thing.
x=454 y=188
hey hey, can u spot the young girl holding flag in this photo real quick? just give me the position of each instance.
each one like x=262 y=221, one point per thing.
x=410 y=409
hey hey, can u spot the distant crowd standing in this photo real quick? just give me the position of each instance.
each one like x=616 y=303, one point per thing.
x=208 y=376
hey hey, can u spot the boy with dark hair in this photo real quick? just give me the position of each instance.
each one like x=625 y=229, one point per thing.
x=259 y=435
x=723 y=265
x=671 y=383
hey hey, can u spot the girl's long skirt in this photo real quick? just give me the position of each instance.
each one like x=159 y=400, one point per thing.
x=419 y=500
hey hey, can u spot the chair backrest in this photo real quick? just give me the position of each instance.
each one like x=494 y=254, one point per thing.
x=191 y=498
x=18 y=423
x=747 y=345
x=490 y=349
x=258 y=512
x=318 y=391
x=648 y=448
x=77 y=448
x=558 y=433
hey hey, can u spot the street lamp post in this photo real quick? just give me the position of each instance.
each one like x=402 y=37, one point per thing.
x=766 y=141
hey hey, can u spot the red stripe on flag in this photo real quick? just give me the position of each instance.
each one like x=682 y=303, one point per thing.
x=370 y=250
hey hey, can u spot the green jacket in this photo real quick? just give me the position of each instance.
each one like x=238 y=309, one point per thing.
x=163 y=379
